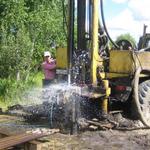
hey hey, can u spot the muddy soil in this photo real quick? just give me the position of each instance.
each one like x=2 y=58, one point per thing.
x=106 y=140
x=94 y=140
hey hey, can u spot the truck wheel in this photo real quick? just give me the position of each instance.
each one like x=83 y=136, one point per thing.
x=141 y=93
x=144 y=102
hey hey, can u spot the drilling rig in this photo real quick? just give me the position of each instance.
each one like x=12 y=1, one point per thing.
x=144 y=41
x=118 y=75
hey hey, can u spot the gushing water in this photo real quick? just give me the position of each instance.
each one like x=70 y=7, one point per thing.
x=57 y=102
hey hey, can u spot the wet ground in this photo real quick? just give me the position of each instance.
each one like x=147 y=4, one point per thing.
x=106 y=140
x=94 y=140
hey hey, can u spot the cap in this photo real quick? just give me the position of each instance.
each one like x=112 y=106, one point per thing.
x=47 y=53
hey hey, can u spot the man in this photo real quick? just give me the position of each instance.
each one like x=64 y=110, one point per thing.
x=48 y=66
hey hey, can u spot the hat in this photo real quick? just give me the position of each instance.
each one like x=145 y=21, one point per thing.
x=47 y=53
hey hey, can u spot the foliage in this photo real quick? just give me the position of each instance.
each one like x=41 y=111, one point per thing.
x=28 y=28
x=11 y=92
x=128 y=37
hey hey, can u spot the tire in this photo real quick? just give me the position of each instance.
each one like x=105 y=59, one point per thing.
x=141 y=94
x=144 y=101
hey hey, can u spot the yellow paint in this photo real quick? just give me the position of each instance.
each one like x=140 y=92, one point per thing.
x=108 y=92
x=121 y=62
x=126 y=62
x=105 y=106
x=143 y=59
x=120 y=75
x=61 y=58
x=94 y=54
x=102 y=75
x=106 y=83
x=116 y=75
x=105 y=100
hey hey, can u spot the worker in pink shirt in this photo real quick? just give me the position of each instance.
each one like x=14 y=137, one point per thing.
x=49 y=68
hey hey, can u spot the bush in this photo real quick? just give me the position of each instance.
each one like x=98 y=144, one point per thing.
x=11 y=91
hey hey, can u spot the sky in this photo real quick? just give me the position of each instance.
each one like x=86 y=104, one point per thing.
x=127 y=16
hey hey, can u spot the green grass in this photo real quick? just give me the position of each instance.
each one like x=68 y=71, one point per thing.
x=11 y=90
x=3 y=105
x=37 y=79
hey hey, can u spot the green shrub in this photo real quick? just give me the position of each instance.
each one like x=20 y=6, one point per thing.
x=11 y=91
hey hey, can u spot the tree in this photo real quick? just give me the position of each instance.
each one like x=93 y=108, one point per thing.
x=28 y=28
x=15 y=44
x=128 y=37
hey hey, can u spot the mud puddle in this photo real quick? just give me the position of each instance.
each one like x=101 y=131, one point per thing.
x=10 y=124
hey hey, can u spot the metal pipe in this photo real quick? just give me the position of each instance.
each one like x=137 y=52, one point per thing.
x=70 y=38
x=90 y=18
x=105 y=100
x=81 y=22
x=144 y=30
x=94 y=53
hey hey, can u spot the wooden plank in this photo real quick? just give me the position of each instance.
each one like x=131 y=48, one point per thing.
x=18 y=139
x=33 y=145
x=39 y=145
x=27 y=140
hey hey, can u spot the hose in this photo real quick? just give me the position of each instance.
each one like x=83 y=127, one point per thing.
x=105 y=28
x=136 y=95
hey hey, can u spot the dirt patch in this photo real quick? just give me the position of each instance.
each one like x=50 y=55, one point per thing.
x=103 y=140
x=94 y=140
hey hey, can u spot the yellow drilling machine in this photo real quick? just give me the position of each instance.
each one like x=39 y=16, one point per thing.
x=117 y=75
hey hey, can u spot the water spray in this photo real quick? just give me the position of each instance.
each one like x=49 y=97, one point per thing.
x=69 y=77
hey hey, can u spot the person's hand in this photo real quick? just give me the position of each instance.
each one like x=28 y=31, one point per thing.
x=53 y=60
